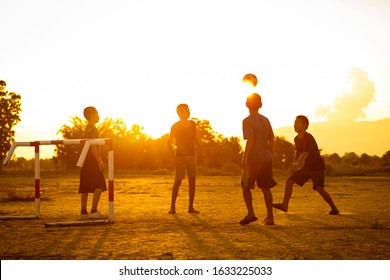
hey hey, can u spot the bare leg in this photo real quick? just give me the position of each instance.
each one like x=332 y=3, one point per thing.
x=247 y=194
x=268 y=199
x=287 y=195
x=84 y=201
x=191 y=193
x=326 y=196
x=96 y=198
x=175 y=192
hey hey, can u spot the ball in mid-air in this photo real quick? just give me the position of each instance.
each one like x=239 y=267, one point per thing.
x=250 y=79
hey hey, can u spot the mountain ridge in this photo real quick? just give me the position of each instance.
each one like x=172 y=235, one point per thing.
x=346 y=136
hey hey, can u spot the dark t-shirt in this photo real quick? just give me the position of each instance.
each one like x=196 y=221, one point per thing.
x=308 y=144
x=91 y=132
x=185 y=138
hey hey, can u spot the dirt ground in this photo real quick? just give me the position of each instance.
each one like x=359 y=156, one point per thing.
x=143 y=230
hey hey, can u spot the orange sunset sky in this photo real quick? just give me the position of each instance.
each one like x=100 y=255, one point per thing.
x=136 y=60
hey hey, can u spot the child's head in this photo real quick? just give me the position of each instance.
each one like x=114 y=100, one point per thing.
x=303 y=120
x=253 y=101
x=183 y=111
x=91 y=114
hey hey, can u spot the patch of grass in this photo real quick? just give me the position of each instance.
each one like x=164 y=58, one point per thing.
x=14 y=195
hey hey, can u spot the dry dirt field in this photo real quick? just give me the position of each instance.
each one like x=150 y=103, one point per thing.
x=143 y=230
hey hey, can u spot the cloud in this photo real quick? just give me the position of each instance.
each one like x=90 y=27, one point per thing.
x=349 y=105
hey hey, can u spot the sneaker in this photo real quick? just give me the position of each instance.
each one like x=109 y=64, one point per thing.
x=97 y=215
x=334 y=212
x=84 y=217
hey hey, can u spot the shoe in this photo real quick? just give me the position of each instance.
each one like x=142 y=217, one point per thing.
x=334 y=212
x=248 y=220
x=193 y=211
x=97 y=215
x=268 y=222
x=83 y=217
x=279 y=206
x=172 y=211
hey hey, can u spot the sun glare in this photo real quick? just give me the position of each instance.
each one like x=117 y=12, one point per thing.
x=248 y=88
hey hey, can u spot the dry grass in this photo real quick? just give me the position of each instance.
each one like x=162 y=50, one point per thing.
x=144 y=230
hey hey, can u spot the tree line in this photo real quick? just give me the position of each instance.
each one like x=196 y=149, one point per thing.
x=10 y=107
x=133 y=149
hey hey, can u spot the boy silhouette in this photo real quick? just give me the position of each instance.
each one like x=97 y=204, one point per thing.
x=185 y=135
x=257 y=159
x=91 y=175
x=308 y=165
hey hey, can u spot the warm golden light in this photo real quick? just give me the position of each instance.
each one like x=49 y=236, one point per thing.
x=141 y=79
x=250 y=79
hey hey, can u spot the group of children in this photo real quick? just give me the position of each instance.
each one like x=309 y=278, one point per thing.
x=256 y=162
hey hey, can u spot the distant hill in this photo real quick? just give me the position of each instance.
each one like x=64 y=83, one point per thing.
x=371 y=138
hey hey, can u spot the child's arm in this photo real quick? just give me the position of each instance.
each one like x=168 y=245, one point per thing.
x=248 y=147
x=170 y=145
x=96 y=154
x=300 y=159
x=272 y=145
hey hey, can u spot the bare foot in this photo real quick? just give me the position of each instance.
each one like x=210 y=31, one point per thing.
x=193 y=211
x=280 y=207
x=172 y=211
x=268 y=221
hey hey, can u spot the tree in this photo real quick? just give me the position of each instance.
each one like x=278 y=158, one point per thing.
x=284 y=153
x=333 y=159
x=350 y=158
x=69 y=154
x=386 y=161
x=129 y=145
x=10 y=107
x=386 y=158
x=220 y=150
x=365 y=159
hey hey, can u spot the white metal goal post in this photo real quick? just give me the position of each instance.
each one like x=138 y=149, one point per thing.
x=87 y=143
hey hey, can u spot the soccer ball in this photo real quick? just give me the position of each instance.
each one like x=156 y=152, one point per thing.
x=250 y=79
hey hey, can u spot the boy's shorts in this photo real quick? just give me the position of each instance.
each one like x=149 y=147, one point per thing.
x=184 y=163
x=260 y=173
x=301 y=176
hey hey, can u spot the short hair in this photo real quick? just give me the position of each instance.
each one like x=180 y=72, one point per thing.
x=253 y=101
x=88 y=111
x=303 y=119
x=180 y=107
x=3 y=83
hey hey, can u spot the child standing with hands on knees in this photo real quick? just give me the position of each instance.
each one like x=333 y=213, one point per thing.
x=91 y=175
